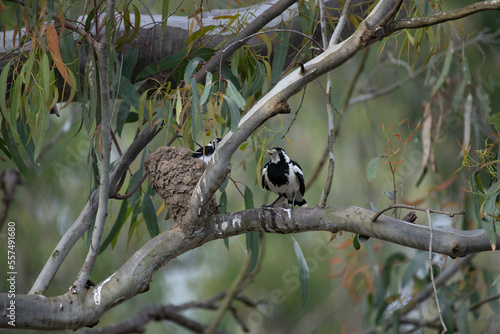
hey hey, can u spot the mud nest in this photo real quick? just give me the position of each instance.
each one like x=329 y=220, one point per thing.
x=173 y=174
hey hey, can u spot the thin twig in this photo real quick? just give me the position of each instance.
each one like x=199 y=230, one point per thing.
x=484 y=301
x=412 y=207
x=431 y=272
x=132 y=192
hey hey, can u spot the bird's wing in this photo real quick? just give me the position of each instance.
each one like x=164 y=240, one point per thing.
x=264 y=173
x=300 y=175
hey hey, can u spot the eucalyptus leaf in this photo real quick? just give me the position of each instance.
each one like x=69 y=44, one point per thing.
x=303 y=274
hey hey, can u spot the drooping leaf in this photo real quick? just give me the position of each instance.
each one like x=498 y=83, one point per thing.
x=28 y=144
x=303 y=274
x=444 y=73
x=149 y=213
x=252 y=238
x=280 y=53
x=13 y=150
x=190 y=68
x=462 y=318
x=258 y=80
x=235 y=95
x=3 y=87
x=235 y=113
x=208 y=88
x=117 y=226
x=355 y=242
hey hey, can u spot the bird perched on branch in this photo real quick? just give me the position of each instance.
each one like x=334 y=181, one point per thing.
x=205 y=153
x=284 y=177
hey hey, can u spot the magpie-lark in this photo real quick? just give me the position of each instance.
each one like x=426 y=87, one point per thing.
x=206 y=152
x=284 y=177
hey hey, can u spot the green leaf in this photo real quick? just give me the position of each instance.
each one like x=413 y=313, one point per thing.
x=149 y=213
x=191 y=67
x=3 y=88
x=208 y=88
x=303 y=274
x=235 y=95
x=252 y=238
x=15 y=101
x=13 y=151
x=462 y=318
x=28 y=144
x=258 y=80
x=129 y=62
x=355 y=242
x=280 y=53
x=122 y=116
x=46 y=77
x=248 y=199
x=117 y=226
x=235 y=113
x=444 y=73
x=196 y=110
x=372 y=169
x=128 y=92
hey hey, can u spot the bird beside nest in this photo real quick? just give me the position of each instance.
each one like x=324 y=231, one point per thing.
x=174 y=174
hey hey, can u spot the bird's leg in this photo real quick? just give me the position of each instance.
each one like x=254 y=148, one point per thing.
x=273 y=203
x=277 y=199
x=293 y=200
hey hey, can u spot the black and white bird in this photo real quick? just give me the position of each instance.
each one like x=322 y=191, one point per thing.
x=205 y=153
x=284 y=177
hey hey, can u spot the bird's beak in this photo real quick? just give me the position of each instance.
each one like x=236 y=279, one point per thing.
x=268 y=151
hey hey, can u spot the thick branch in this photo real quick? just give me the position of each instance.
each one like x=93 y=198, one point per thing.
x=85 y=309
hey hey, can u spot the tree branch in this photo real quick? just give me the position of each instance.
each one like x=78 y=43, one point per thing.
x=85 y=309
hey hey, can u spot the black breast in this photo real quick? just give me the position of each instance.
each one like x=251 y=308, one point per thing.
x=278 y=173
